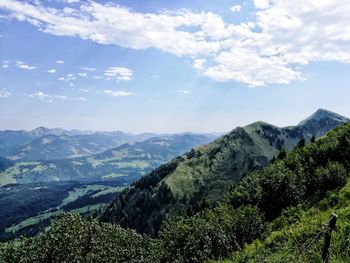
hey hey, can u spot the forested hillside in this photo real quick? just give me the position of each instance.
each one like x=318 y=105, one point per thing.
x=272 y=215
x=200 y=178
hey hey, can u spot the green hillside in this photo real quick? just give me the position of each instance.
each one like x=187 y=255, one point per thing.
x=281 y=210
x=272 y=215
x=200 y=178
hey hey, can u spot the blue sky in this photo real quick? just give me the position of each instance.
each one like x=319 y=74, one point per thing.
x=171 y=66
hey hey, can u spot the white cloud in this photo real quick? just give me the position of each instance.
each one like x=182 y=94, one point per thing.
x=112 y=24
x=88 y=69
x=251 y=69
x=44 y=97
x=186 y=92
x=82 y=74
x=79 y=98
x=4 y=94
x=52 y=71
x=59 y=61
x=283 y=36
x=41 y=96
x=118 y=93
x=5 y=66
x=236 y=8
x=262 y=4
x=199 y=63
x=119 y=73
x=306 y=31
x=72 y=1
x=69 y=77
x=22 y=65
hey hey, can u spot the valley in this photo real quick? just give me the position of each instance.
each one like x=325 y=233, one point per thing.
x=34 y=192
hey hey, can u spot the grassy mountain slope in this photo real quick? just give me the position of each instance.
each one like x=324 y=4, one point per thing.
x=279 y=211
x=203 y=176
x=297 y=235
x=126 y=160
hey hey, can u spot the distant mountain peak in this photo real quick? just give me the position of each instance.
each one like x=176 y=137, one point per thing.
x=42 y=131
x=321 y=114
x=40 y=128
x=322 y=121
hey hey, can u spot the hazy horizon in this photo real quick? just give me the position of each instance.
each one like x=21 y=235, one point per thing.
x=169 y=132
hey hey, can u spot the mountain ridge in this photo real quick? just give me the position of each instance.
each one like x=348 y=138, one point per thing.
x=202 y=176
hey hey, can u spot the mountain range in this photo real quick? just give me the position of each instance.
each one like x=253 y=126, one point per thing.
x=201 y=177
x=52 y=144
x=132 y=160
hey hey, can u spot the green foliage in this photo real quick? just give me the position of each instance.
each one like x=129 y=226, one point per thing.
x=210 y=234
x=298 y=237
x=305 y=173
x=296 y=229
x=74 y=240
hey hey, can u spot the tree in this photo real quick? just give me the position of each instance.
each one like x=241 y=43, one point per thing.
x=313 y=139
x=281 y=154
x=301 y=143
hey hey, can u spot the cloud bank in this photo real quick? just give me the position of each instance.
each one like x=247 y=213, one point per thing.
x=283 y=36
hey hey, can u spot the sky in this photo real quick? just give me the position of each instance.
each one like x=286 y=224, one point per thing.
x=171 y=66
